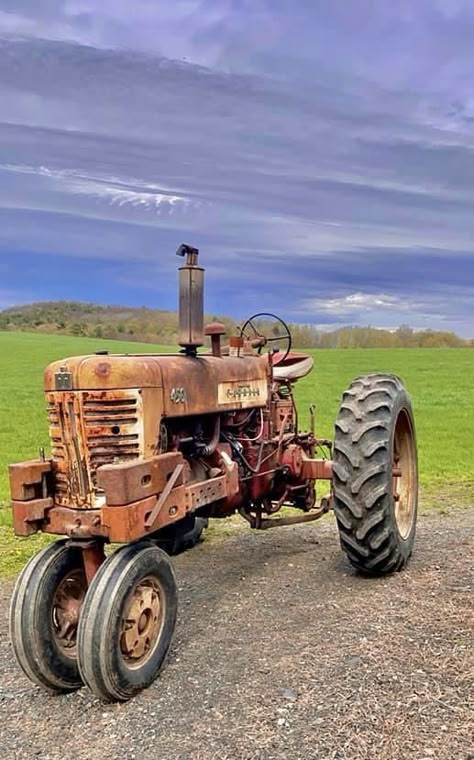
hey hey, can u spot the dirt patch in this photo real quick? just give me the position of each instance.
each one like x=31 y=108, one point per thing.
x=282 y=651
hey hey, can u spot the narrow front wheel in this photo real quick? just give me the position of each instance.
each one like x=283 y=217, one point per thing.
x=127 y=622
x=44 y=616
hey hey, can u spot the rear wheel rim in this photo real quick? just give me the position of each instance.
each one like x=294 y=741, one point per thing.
x=404 y=474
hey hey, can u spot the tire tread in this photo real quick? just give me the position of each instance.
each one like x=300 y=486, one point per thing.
x=362 y=491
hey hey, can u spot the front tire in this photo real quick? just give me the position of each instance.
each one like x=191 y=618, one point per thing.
x=375 y=474
x=127 y=622
x=44 y=613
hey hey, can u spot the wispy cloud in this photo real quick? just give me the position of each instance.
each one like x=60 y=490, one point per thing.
x=116 y=191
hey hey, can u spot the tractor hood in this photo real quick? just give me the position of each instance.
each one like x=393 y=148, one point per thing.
x=190 y=384
x=104 y=371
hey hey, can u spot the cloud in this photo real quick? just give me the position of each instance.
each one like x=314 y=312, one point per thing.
x=424 y=311
x=196 y=30
x=356 y=303
x=324 y=172
x=115 y=191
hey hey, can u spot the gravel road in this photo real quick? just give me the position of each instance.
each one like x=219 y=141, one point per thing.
x=282 y=651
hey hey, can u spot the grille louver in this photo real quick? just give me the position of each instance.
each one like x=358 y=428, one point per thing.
x=112 y=429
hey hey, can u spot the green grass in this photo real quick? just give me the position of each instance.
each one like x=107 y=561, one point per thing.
x=441 y=383
x=439 y=380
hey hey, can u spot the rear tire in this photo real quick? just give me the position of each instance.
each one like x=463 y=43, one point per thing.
x=375 y=474
x=127 y=622
x=182 y=535
x=44 y=610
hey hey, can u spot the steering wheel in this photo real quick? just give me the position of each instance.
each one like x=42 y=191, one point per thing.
x=280 y=331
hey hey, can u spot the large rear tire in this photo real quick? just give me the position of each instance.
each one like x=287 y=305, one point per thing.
x=375 y=474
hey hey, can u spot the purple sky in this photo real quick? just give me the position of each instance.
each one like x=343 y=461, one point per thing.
x=319 y=152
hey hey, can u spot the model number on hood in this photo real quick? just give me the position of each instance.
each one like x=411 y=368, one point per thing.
x=178 y=396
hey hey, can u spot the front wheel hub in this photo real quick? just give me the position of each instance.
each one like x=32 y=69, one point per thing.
x=142 y=622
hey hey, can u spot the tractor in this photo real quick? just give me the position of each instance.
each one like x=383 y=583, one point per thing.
x=145 y=448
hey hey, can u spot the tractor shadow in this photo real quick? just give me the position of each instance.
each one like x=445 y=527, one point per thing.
x=287 y=563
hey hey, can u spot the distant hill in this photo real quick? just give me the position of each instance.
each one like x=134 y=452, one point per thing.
x=97 y=321
x=159 y=326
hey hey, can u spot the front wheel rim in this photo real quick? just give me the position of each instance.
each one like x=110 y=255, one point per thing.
x=142 y=622
x=65 y=610
x=404 y=486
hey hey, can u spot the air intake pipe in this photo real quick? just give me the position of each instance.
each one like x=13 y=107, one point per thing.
x=191 y=300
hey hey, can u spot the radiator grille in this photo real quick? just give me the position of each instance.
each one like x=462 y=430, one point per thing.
x=89 y=429
x=111 y=429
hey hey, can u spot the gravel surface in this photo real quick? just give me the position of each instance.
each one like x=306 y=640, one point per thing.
x=282 y=651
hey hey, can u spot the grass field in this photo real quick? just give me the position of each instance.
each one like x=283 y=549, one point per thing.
x=441 y=382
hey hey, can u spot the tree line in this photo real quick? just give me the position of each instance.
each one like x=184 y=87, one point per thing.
x=160 y=326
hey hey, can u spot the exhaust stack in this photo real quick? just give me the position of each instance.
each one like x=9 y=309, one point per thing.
x=191 y=300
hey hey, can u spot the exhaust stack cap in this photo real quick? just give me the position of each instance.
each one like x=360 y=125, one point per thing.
x=191 y=300
x=190 y=252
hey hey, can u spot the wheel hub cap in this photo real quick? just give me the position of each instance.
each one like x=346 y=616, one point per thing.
x=142 y=622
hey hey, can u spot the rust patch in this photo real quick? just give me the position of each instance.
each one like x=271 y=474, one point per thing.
x=102 y=369
x=30 y=480
x=89 y=429
x=316 y=469
x=93 y=556
x=128 y=523
x=29 y=515
x=76 y=523
x=129 y=482
x=206 y=492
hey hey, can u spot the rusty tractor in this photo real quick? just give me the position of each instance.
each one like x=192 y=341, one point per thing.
x=146 y=447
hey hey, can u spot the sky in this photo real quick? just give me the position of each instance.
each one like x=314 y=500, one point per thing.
x=320 y=153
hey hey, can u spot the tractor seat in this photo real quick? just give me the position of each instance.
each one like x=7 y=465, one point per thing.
x=292 y=367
